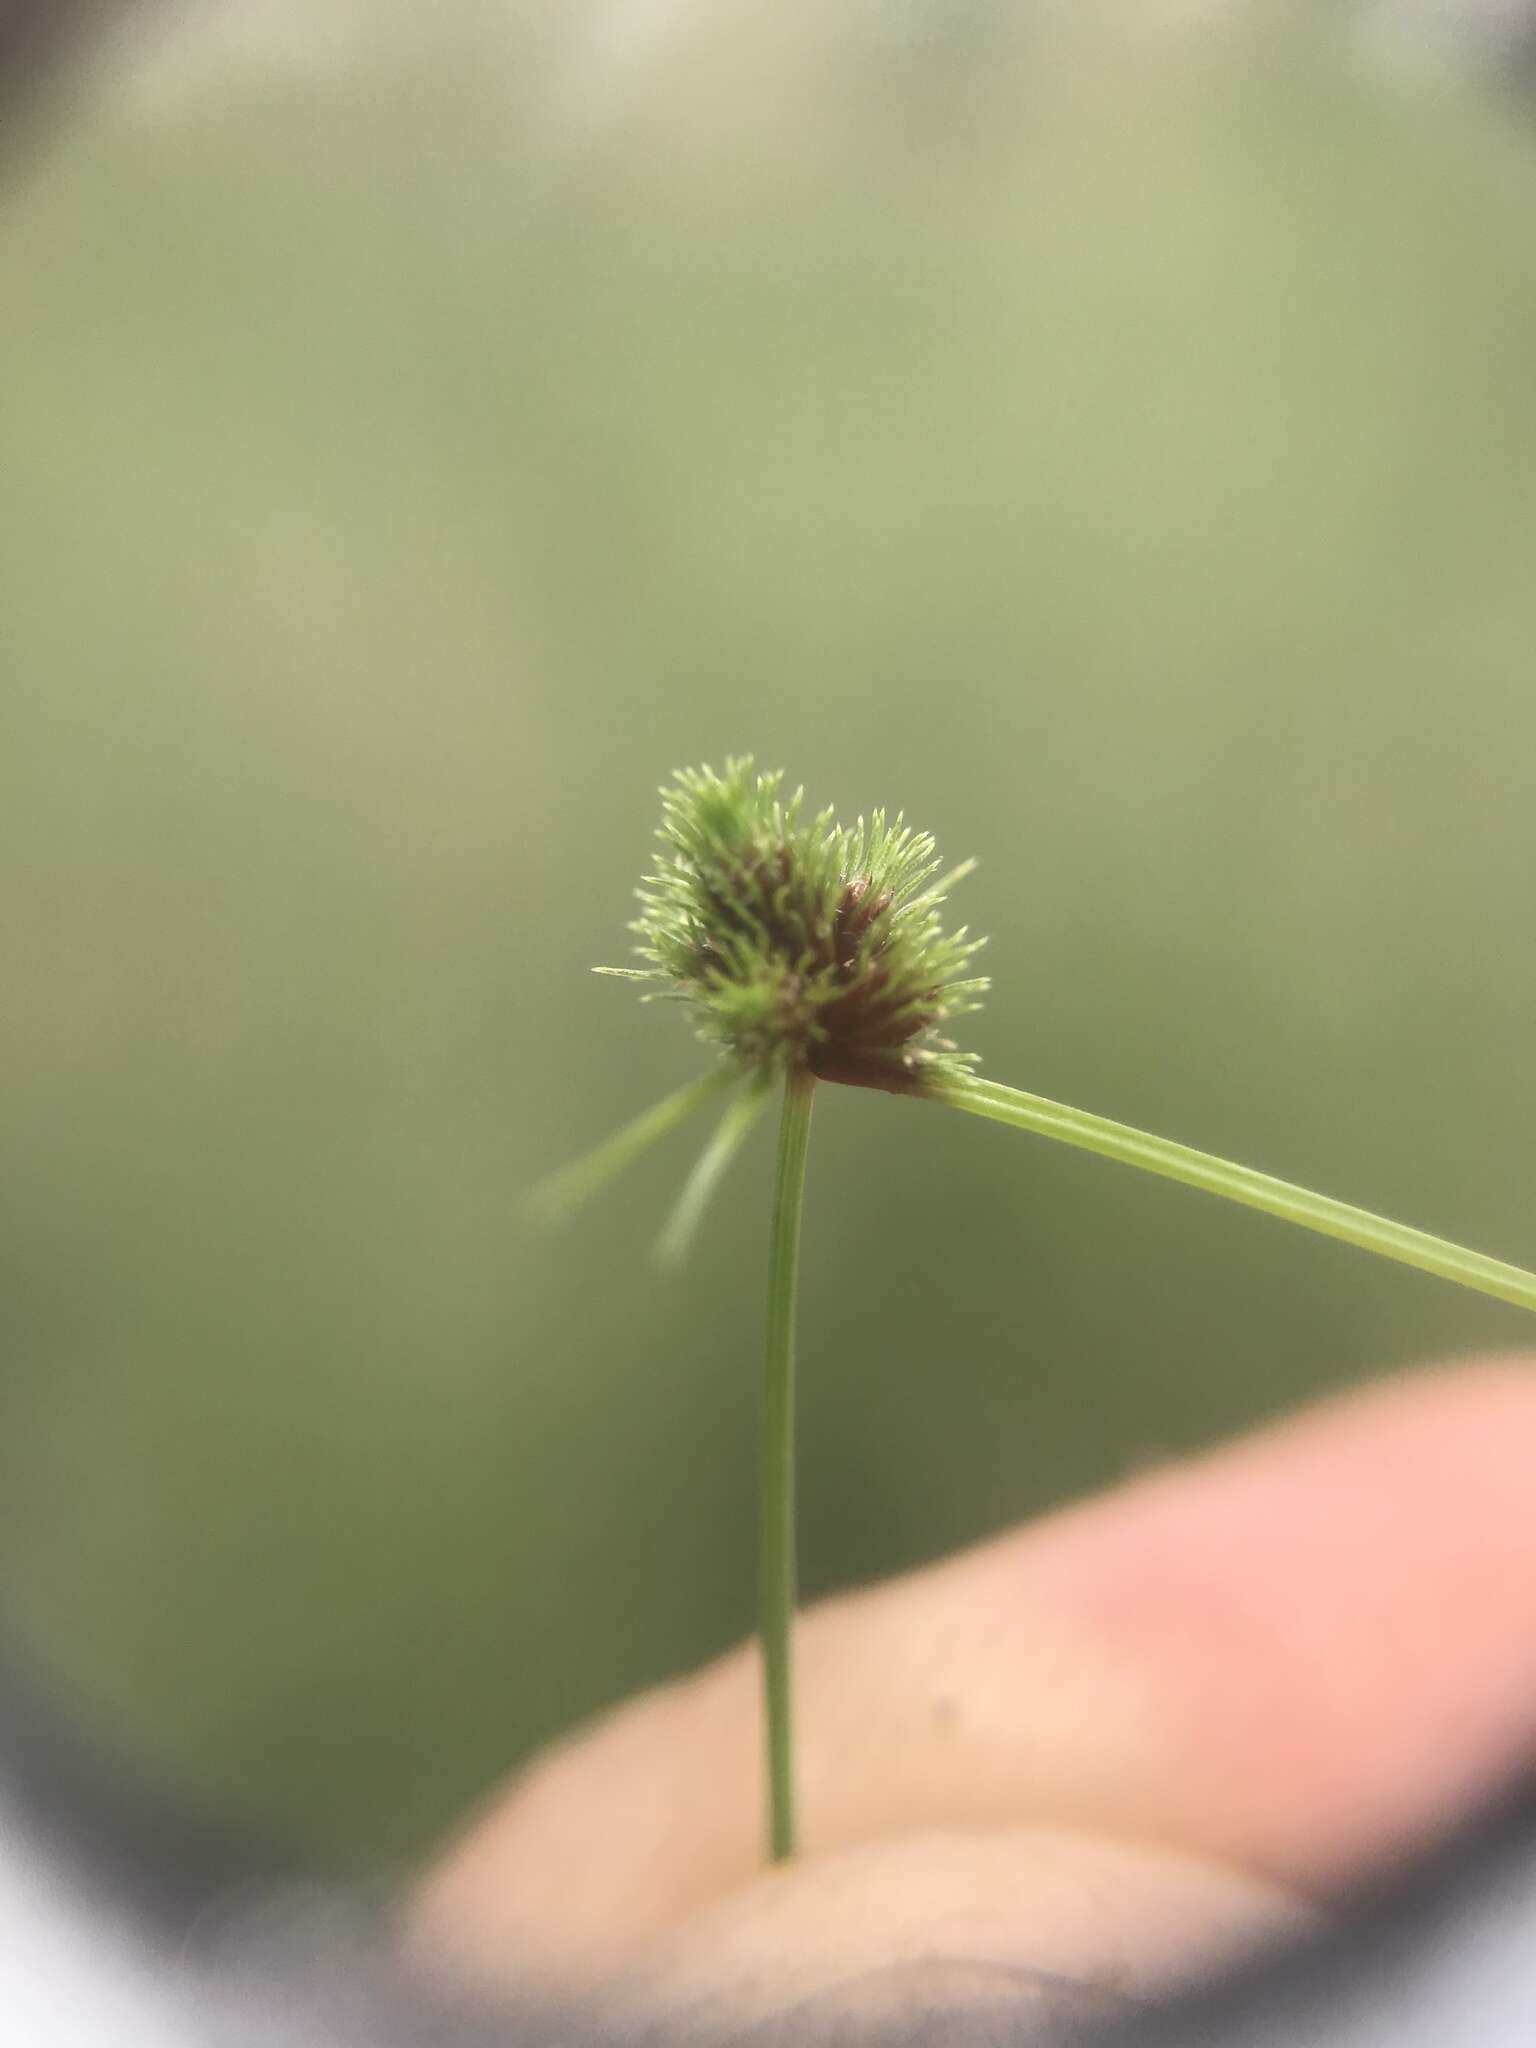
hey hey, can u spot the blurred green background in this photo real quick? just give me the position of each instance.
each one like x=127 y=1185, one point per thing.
x=1114 y=444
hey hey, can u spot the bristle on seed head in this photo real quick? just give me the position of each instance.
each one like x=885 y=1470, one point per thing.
x=802 y=943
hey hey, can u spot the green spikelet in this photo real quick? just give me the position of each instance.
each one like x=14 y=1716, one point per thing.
x=804 y=944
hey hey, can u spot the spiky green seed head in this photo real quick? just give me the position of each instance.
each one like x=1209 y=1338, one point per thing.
x=802 y=943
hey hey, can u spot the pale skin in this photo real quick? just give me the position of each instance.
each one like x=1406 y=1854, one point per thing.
x=1102 y=1748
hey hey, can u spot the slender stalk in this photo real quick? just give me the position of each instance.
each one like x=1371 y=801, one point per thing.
x=776 y=1509
x=1371 y=1233
x=726 y=1140
x=553 y=1200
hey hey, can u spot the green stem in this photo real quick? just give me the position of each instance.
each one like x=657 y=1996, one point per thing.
x=776 y=1510
x=1371 y=1233
x=553 y=1200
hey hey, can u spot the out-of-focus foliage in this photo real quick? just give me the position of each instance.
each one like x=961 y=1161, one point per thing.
x=1111 y=442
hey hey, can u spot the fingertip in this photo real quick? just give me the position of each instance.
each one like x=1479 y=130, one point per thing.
x=1296 y=1656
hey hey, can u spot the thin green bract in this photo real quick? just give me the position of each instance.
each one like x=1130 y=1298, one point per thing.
x=1162 y=1156
x=809 y=951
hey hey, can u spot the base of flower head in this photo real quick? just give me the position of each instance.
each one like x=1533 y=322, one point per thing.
x=900 y=1073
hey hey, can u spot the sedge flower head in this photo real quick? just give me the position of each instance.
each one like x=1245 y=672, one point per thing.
x=797 y=942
